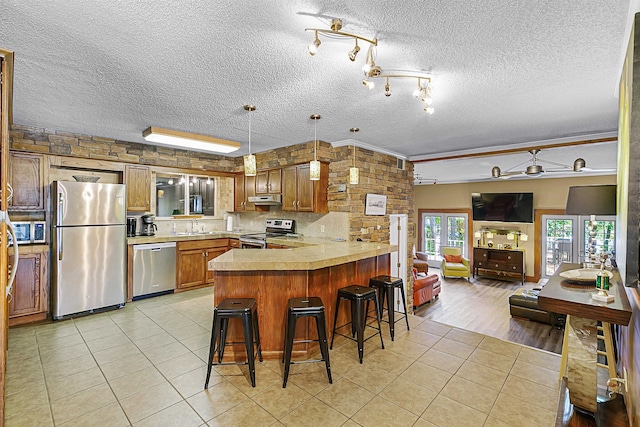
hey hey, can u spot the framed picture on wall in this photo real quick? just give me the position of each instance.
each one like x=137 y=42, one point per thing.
x=376 y=204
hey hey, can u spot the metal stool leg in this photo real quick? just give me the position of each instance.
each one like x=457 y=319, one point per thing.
x=247 y=326
x=335 y=322
x=288 y=345
x=378 y=319
x=404 y=304
x=321 y=325
x=358 y=319
x=224 y=324
x=215 y=332
x=256 y=332
x=388 y=294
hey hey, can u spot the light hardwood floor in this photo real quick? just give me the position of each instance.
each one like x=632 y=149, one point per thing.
x=482 y=305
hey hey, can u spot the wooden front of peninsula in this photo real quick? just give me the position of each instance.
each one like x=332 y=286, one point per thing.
x=272 y=276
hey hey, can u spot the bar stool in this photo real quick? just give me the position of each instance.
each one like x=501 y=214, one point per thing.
x=305 y=307
x=357 y=295
x=386 y=286
x=244 y=309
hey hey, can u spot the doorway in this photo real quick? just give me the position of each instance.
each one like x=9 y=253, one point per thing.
x=398 y=235
x=440 y=229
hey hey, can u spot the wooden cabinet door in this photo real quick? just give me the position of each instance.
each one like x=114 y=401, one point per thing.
x=138 y=181
x=26 y=176
x=238 y=194
x=305 y=189
x=262 y=182
x=211 y=254
x=29 y=294
x=289 y=189
x=249 y=191
x=274 y=181
x=191 y=268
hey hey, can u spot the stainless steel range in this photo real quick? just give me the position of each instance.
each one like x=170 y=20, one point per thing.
x=275 y=228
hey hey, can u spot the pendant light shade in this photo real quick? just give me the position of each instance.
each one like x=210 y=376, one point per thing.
x=354 y=172
x=249 y=159
x=314 y=165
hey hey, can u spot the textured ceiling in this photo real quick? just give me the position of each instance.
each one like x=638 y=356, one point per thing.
x=504 y=72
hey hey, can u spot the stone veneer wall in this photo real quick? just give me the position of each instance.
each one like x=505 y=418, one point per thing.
x=378 y=173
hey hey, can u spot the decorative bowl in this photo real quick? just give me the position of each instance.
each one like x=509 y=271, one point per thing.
x=86 y=178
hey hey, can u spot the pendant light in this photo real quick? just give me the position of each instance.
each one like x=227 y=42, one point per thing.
x=249 y=159
x=354 y=172
x=314 y=165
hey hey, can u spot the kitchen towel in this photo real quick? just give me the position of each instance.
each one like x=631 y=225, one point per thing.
x=230 y=223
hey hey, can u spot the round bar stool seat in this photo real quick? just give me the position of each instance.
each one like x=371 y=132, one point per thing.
x=386 y=285
x=230 y=308
x=358 y=295
x=305 y=307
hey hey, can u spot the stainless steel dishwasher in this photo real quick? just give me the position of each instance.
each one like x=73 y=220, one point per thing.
x=154 y=269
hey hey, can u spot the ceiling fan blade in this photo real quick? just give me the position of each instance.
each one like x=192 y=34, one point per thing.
x=587 y=169
x=507 y=175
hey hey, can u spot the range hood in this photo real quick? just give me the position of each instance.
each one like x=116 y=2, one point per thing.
x=268 y=200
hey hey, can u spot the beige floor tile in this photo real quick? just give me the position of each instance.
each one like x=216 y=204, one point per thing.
x=466 y=337
x=423 y=423
x=446 y=412
x=19 y=383
x=426 y=376
x=19 y=367
x=454 y=348
x=494 y=422
x=537 y=374
x=406 y=348
x=56 y=329
x=154 y=341
x=158 y=355
x=482 y=375
x=379 y=409
x=55 y=356
x=69 y=367
x=246 y=414
x=392 y=363
x=38 y=416
x=492 y=360
x=434 y=328
x=501 y=347
x=370 y=377
x=180 y=414
x=444 y=361
x=138 y=325
x=546 y=398
x=26 y=400
x=510 y=410
x=192 y=382
x=197 y=341
x=180 y=365
x=104 y=331
x=108 y=416
x=314 y=413
x=540 y=358
x=280 y=401
x=55 y=343
x=188 y=331
x=149 y=401
x=113 y=354
x=89 y=323
x=216 y=399
x=410 y=396
x=470 y=394
x=61 y=387
x=81 y=403
x=136 y=382
x=103 y=343
x=334 y=396
x=265 y=378
x=426 y=339
x=312 y=378
x=147 y=330
x=343 y=360
x=125 y=366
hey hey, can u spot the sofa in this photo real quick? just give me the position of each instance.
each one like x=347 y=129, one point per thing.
x=453 y=264
x=523 y=304
x=425 y=287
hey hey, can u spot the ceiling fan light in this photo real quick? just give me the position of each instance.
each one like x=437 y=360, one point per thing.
x=579 y=164
x=495 y=172
x=534 y=170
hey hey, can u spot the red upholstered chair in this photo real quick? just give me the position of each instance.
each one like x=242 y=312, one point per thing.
x=420 y=262
x=425 y=288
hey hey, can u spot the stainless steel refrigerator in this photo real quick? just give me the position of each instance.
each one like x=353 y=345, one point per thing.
x=89 y=256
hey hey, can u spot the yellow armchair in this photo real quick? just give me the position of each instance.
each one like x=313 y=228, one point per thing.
x=457 y=266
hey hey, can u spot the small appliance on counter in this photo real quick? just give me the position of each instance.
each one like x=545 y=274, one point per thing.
x=148 y=227
x=132 y=227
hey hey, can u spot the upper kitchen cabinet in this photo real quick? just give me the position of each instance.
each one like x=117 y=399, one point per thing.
x=300 y=194
x=245 y=187
x=26 y=176
x=269 y=182
x=138 y=181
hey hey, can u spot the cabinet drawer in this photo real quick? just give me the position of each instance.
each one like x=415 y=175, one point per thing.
x=202 y=244
x=234 y=243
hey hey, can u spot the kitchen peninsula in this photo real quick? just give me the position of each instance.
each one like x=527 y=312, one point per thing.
x=310 y=267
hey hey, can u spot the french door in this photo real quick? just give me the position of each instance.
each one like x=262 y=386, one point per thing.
x=443 y=229
x=566 y=238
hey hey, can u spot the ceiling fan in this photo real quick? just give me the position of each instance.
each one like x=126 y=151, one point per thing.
x=534 y=169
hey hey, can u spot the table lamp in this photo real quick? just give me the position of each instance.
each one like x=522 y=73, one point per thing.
x=591 y=200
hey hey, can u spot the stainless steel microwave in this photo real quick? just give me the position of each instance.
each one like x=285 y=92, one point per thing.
x=30 y=232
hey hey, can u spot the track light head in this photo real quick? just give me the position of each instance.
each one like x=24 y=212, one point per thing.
x=369 y=84
x=313 y=47
x=387 y=88
x=428 y=109
x=353 y=52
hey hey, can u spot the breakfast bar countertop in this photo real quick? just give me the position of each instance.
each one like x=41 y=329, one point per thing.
x=303 y=254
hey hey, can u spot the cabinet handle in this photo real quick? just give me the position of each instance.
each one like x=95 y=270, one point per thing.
x=514 y=267
x=509 y=257
x=294 y=204
x=496 y=265
x=204 y=254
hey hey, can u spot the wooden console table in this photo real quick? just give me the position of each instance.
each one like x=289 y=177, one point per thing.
x=580 y=339
x=504 y=263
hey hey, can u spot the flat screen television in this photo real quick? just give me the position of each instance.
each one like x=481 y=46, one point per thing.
x=506 y=207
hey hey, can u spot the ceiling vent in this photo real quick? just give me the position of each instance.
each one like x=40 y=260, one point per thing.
x=401 y=164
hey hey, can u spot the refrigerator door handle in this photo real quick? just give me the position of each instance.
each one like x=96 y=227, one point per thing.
x=59 y=236
x=60 y=208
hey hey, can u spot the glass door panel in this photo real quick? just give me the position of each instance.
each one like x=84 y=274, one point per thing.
x=443 y=229
x=432 y=231
x=558 y=242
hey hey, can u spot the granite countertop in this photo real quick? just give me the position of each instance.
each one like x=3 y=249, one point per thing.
x=161 y=238
x=308 y=254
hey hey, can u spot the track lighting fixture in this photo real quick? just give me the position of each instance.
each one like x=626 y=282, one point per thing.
x=314 y=165
x=387 y=88
x=250 y=160
x=368 y=83
x=335 y=32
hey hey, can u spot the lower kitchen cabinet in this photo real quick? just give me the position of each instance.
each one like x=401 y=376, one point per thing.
x=29 y=296
x=192 y=261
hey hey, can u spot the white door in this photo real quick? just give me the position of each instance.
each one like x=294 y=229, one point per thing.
x=443 y=229
x=399 y=236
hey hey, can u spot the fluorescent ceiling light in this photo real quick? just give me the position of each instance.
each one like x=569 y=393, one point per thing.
x=192 y=141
